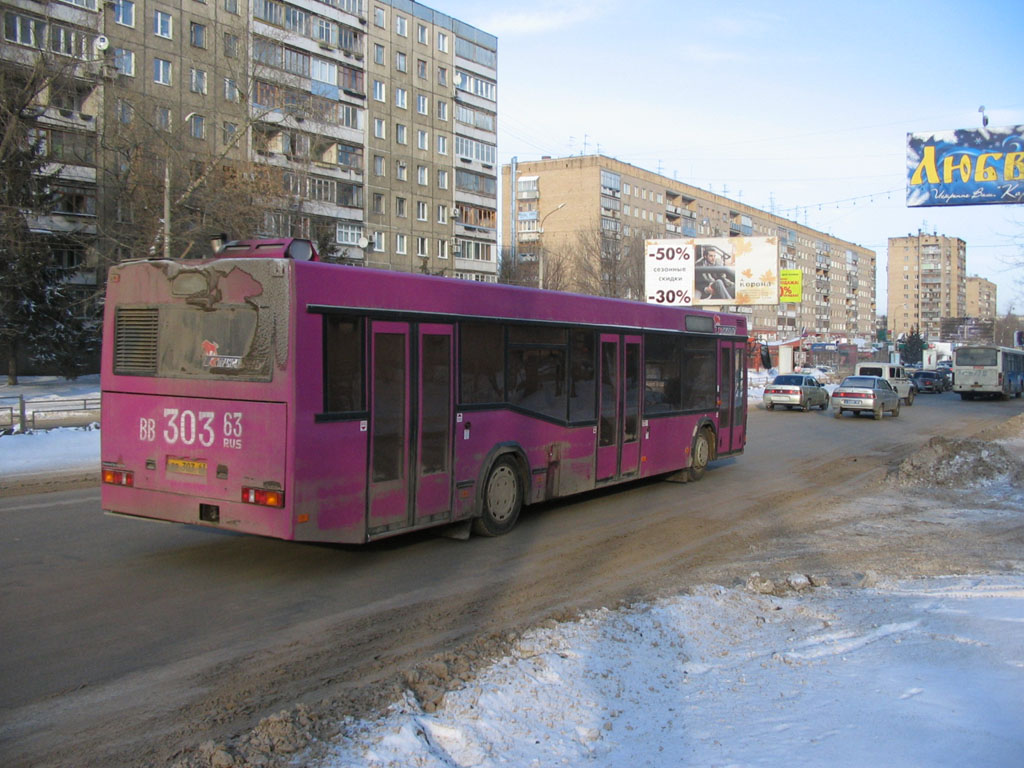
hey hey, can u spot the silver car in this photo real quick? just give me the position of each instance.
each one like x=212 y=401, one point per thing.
x=795 y=390
x=865 y=393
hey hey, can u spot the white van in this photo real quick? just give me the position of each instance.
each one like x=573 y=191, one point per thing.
x=896 y=375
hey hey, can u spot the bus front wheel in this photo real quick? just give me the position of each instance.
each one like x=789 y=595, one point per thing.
x=502 y=499
x=700 y=455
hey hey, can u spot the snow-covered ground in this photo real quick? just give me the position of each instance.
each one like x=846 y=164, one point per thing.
x=901 y=673
x=919 y=673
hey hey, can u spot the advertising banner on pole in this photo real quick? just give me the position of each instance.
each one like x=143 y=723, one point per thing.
x=713 y=271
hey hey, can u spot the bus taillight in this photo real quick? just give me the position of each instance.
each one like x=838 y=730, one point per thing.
x=118 y=477
x=266 y=497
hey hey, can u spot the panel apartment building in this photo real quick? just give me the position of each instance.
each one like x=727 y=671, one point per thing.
x=981 y=298
x=379 y=117
x=556 y=199
x=927 y=282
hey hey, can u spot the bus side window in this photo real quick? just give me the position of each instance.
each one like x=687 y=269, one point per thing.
x=482 y=363
x=582 y=376
x=343 y=365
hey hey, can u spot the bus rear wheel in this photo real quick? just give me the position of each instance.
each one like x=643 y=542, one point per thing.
x=700 y=455
x=502 y=499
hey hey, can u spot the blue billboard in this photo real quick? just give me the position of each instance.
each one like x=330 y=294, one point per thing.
x=966 y=167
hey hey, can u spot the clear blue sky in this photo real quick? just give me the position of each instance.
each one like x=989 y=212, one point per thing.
x=803 y=106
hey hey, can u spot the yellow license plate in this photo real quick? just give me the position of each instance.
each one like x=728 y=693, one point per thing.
x=186 y=466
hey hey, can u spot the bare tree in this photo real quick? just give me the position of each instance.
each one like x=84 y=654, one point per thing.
x=169 y=185
x=610 y=264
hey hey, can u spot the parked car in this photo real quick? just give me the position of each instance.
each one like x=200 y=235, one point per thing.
x=896 y=375
x=795 y=390
x=865 y=393
x=929 y=381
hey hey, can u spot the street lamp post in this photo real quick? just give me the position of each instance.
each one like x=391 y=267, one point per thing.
x=540 y=254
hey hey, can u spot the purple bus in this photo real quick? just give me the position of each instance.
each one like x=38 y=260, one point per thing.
x=271 y=393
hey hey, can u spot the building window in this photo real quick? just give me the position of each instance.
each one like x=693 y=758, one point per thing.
x=229 y=132
x=442 y=42
x=401 y=171
x=125 y=112
x=400 y=134
x=400 y=207
x=162 y=71
x=400 y=243
x=442 y=248
x=230 y=45
x=197 y=35
x=380 y=92
x=442 y=179
x=380 y=18
x=421 y=247
x=422 y=104
x=400 y=62
x=348 y=234
x=422 y=175
x=162 y=24
x=421 y=211
x=377 y=204
x=401 y=98
x=422 y=140
x=379 y=128
x=442 y=145
x=230 y=90
x=25 y=30
x=124 y=61
x=401 y=26
x=379 y=165
x=378 y=53
x=197 y=127
x=197 y=81
x=124 y=12
x=422 y=35
x=421 y=69
x=163 y=118
x=231 y=6
x=442 y=110
x=379 y=242
x=442 y=214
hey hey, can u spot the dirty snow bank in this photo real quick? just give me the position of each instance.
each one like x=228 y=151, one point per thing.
x=960 y=463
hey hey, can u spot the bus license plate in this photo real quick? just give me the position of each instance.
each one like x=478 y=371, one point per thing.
x=186 y=466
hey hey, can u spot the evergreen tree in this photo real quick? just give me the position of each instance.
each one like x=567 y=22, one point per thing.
x=40 y=314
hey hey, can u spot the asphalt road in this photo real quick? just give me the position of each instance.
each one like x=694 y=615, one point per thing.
x=124 y=641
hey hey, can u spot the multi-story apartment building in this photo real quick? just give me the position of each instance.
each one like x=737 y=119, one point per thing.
x=927 y=282
x=65 y=121
x=561 y=202
x=432 y=142
x=378 y=118
x=981 y=298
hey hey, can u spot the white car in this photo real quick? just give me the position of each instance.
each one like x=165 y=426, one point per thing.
x=795 y=390
x=865 y=393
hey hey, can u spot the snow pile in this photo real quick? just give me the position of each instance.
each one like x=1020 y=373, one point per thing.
x=959 y=463
x=841 y=677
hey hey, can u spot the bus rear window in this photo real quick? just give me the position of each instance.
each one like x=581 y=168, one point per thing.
x=976 y=356
x=192 y=342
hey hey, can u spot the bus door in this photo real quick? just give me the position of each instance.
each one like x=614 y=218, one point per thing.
x=732 y=421
x=618 y=424
x=410 y=425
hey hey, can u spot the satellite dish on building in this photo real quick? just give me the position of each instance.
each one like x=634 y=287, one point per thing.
x=363 y=242
x=101 y=43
